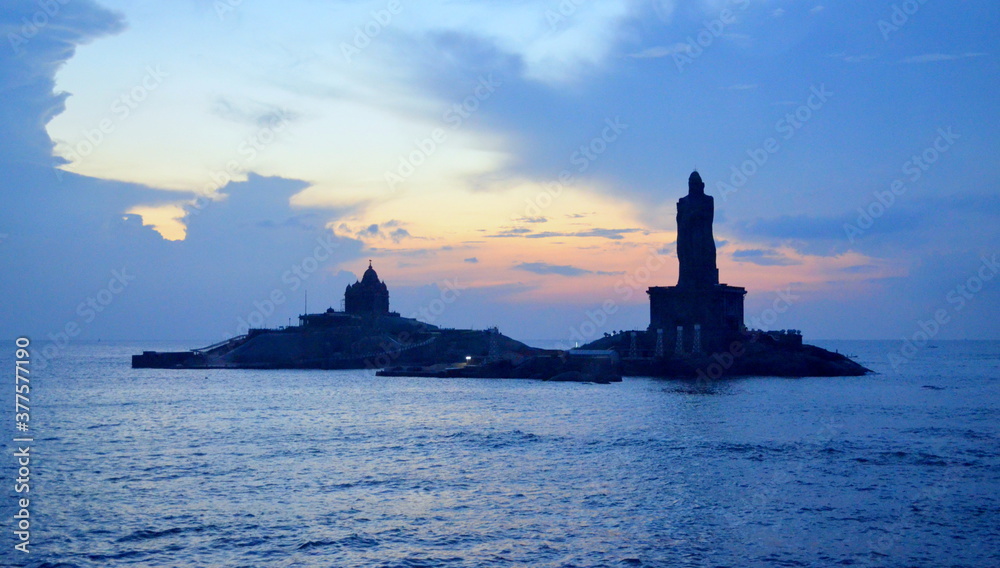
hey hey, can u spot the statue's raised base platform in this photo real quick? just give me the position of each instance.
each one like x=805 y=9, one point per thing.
x=753 y=354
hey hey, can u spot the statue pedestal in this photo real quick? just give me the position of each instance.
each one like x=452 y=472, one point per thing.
x=718 y=310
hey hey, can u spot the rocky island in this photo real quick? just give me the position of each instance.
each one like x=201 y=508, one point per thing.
x=364 y=335
x=696 y=330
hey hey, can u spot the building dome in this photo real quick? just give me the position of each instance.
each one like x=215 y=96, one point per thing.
x=369 y=296
x=370 y=276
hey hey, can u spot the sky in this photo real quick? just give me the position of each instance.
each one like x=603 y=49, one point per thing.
x=184 y=170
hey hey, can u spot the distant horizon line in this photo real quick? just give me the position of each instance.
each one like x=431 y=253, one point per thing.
x=526 y=341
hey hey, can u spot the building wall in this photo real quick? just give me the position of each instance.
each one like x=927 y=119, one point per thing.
x=717 y=311
x=363 y=299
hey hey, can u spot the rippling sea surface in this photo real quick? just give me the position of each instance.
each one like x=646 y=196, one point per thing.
x=341 y=468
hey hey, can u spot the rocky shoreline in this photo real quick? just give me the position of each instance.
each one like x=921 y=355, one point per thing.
x=753 y=354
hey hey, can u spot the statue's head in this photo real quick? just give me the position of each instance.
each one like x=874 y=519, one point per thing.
x=695 y=185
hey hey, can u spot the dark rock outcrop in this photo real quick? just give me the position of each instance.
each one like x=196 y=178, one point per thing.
x=558 y=366
x=755 y=354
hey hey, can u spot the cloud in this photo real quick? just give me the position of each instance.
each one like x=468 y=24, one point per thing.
x=512 y=232
x=307 y=221
x=545 y=268
x=795 y=227
x=28 y=64
x=778 y=12
x=900 y=231
x=392 y=94
x=613 y=234
x=661 y=51
x=935 y=57
x=411 y=253
x=843 y=56
x=236 y=251
x=399 y=234
x=225 y=84
x=374 y=232
x=605 y=233
x=250 y=112
x=807 y=234
x=763 y=257
x=862 y=269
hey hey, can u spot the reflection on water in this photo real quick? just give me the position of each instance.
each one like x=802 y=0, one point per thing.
x=341 y=468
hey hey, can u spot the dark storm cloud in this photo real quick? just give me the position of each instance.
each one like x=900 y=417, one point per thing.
x=73 y=231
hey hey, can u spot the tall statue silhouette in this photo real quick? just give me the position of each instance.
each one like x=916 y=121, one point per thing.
x=695 y=243
x=698 y=315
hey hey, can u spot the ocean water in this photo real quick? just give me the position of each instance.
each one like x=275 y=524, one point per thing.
x=234 y=468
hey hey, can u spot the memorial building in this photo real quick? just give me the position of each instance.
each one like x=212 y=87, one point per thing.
x=698 y=315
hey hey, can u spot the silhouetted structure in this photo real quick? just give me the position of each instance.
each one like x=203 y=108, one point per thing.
x=695 y=243
x=369 y=296
x=688 y=322
x=696 y=327
x=698 y=315
x=365 y=335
